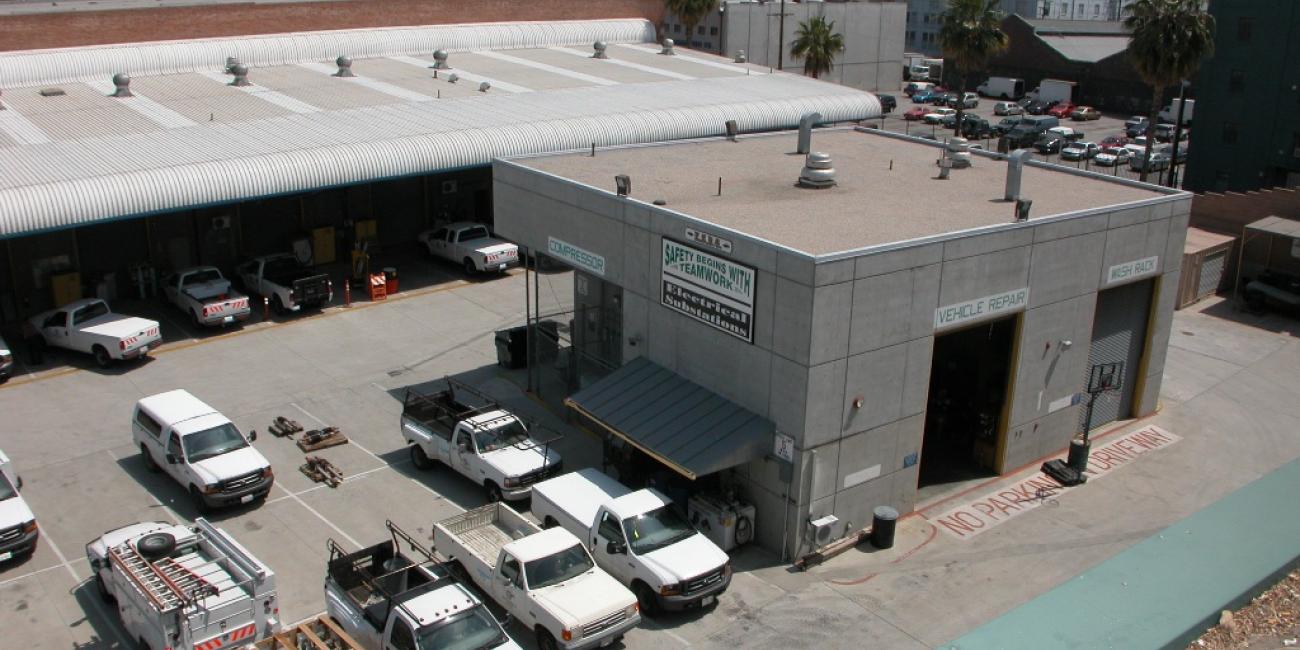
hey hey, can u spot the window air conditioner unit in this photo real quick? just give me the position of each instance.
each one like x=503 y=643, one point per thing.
x=221 y=222
x=822 y=530
x=449 y=187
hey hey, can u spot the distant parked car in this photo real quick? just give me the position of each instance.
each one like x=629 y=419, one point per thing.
x=887 y=103
x=1159 y=161
x=1135 y=126
x=1113 y=142
x=1062 y=110
x=1165 y=132
x=935 y=116
x=914 y=86
x=976 y=127
x=1067 y=133
x=1005 y=125
x=1008 y=108
x=1039 y=107
x=1085 y=113
x=915 y=113
x=922 y=95
x=1111 y=157
x=1079 y=151
x=941 y=99
x=1024 y=101
x=6 y=361
x=1049 y=143
x=967 y=100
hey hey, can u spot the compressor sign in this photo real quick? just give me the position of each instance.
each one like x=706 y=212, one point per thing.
x=710 y=289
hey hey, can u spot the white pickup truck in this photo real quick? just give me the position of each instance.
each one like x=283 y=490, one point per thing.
x=486 y=444
x=184 y=586
x=205 y=296
x=18 y=530
x=637 y=537
x=89 y=326
x=287 y=284
x=470 y=245
x=200 y=449
x=385 y=601
x=546 y=579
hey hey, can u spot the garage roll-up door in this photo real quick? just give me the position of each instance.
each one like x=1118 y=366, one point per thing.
x=1119 y=332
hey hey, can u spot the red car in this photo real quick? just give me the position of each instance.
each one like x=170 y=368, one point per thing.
x=916 y=113
x=1062 y=110
x=1113 y=142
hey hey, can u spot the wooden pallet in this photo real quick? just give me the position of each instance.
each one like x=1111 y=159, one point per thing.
x=284 y=427
x=321 y=439
x=321 y=470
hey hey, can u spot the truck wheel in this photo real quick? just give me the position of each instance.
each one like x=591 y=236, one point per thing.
x=420 y=459
x=149 y=462
x=36 y=350
x=493 y=492
x=196 y=498
x=194 y=320
x=646 y=599
x=101 y=356
x=544 y=639
x=104 y=595
x=470 y=269
x=277 y=306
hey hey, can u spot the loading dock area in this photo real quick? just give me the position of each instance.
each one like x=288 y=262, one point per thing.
x=900 y=352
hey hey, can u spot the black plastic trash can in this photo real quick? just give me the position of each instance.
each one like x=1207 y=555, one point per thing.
x=512 y=347
x=884 y=520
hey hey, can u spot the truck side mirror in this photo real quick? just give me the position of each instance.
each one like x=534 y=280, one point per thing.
x=505 y=619
x=19 y=483
x=252 y=435
x=171 y=459
x=615 y=548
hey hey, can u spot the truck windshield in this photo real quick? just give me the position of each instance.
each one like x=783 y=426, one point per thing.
x=554 y=569
x=471 y=630
x=7 y=490
x=201 y=277
x=656 y=529
x=213 y=442
x=511 y=433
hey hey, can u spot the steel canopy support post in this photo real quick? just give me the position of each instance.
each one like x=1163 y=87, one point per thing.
x=528 y=315
x=1178 y=132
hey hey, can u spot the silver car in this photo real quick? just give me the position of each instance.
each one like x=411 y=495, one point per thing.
x=6 y=360
x=1008 y=108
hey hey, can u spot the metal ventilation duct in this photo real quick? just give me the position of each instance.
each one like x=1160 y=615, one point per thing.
x=668 y=47
x=818 y=173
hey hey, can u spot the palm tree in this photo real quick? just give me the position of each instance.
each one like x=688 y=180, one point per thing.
x=690 y=12
x=1169 y=40
x=817 y=42
x=969 y=33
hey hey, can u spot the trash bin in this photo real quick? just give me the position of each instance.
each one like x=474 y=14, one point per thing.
x=390 y=276
x=512 y=347
x=884 y=519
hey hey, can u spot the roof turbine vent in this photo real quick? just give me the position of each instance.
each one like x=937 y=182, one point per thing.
x=599 y=46
x=241 y=75
x=122 y=85
x=483 y=87
x=231 y=62
x=818 y=173
x=440 y=60
x=2 y=104
x=668 y=47
x=740 y=56
x=345 y=66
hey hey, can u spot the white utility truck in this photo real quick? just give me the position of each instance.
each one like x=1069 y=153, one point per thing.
x=383 y=600
x=545 y=578
x=637 y=537
x=184 y=586
x=1003 y=87
x=200 y=449
x=18 y=531
x=1054 y=90
x=289 y=285
x=470 y=245
x=1169 y=113
x=205 y=296
x=89 y=326
x=487 y=444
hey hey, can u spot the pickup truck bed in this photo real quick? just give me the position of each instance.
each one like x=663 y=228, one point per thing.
x=483 y=531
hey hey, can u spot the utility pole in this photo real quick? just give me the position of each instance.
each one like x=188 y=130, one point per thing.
x=1178 y=132
x=780 y=38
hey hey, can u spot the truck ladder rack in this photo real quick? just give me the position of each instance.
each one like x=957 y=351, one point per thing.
x=160 y=584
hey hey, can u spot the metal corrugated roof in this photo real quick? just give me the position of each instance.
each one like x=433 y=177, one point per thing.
x=1086 y=49
x=684 y=425
x=1277 y=226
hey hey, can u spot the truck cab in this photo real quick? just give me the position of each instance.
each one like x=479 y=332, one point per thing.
x=638 y=537
x=472 y=246
x=18 y=530
x=200 y=449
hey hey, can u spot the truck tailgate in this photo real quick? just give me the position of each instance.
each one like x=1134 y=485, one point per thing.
x=314 y=289
x=230 y=307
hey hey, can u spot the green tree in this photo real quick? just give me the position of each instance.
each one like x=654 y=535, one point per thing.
x=817 y=42
x=970 y=32
x=690 y=12
x=1169 y=40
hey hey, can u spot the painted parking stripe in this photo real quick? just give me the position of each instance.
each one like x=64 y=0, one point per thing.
x=155 y=112
x=373 y=84
x=995 y=507
x=466 y=75
x=279 y=99
x=564 y=72
x=626 y=64
x=21 y=129
x=733 y=67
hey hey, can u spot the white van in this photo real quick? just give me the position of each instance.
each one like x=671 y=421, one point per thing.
x=200 y=449
x=18 y=532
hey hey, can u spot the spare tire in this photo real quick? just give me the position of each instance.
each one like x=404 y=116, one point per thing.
x=156 y=545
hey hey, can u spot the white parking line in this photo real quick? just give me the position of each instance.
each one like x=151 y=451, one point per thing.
x=352 y=442
x=29 y=574
x=94 y=600
x=322 y=518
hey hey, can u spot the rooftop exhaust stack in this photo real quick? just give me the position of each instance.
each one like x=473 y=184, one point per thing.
x=241 y=75
x=483 y=87
x=440 y=60
x=805 y=131
x=668 y=47
x=599 y=46
x=2 y=104
x=231 y=62
x=453 y=78
x=1015 y=167
x=740 y=56
x=624 y=184
x=958 y=150
x=1022 y=209
x=732 y=130
x=345 y=66
x=122 y=85
x=818 y=173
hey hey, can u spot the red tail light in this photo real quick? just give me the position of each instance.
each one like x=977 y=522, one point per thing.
x=121 y=345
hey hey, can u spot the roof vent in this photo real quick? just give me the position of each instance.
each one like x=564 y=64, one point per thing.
x=51 y=92
x=623 y=184
x=805 y=131
x=241 y=75
x=483 y=87
x=345 y=66
x=453 y=78
x=668 y=47
x=740 y=56
x=231 y=62
x=599 y=46
x=1015 y=168
x=817 y=173
x=122 y=85
x=440 y=60
x=958 y=150
x=2 y=104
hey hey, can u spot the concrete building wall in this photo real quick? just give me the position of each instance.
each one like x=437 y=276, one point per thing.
x=831 y=332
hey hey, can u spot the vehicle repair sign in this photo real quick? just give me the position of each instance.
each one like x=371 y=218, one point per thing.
x=708 y=288
x=981 y=308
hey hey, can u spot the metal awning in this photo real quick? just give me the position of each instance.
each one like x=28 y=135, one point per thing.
x=1277 y=226
x=680 y=423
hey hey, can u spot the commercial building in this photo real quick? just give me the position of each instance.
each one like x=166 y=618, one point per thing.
x=339 y=138
x=826 y=351
x=1247 y=127
x=872 y=31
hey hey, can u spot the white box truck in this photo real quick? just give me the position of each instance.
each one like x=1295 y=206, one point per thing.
x=1054 y=90
x=1169 y=113
x=637 y=537
x=1002 y=87
x=184 y=586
